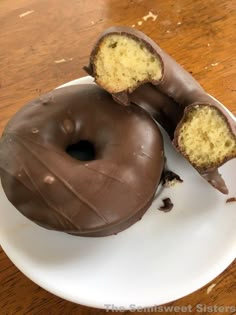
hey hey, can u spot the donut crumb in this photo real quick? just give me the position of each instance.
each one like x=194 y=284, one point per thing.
x=34 y=130
x=167 y=205
x=49 y=179
x=170 y=179
x=68 y=126
x=232 y=199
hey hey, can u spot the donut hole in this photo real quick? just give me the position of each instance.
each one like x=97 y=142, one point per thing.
x=83 y=150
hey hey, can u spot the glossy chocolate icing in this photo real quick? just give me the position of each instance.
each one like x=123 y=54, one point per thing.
x=88 y=198
x=162 y=108
x=168 y=99
x=170 y=115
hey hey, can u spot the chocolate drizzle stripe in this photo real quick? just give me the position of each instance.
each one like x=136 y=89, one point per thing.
x=142 y=153
x=114 y=178
x=147 y=155
x=19 y=163
x=60 y=214
x=34 y=195
x=65 y=183
x=18 y=179
x=49 y=204
x=35 y=142
x=87 y=167
x=147 y=204
x=81 y=232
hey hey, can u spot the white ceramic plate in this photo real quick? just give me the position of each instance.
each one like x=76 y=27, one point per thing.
x=159 y=259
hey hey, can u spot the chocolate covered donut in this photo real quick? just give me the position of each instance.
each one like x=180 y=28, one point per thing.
x=101 y=193
x=134 y=69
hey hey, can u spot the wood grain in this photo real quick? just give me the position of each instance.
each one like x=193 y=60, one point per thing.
x=49 y=46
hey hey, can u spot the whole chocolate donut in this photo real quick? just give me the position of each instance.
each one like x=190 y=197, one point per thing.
x=99 y=196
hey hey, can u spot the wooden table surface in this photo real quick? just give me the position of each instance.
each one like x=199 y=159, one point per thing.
x=44 y=43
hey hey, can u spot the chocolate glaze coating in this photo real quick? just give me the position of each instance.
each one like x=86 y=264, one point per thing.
x=176 y=82
x=123 y=96
x=88 y=198
x=171 y=115
x=162 y=108
x=169 y=99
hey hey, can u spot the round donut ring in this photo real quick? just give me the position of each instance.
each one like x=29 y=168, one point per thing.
x=97 y=197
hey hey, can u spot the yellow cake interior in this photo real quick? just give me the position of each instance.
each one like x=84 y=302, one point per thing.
x=205 y=137
x=122 y=62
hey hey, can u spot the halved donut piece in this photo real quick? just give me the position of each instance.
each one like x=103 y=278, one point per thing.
x=123 y=59
x=134 y=69
x=204 y=137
